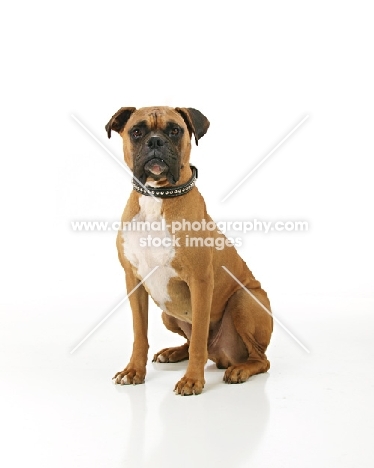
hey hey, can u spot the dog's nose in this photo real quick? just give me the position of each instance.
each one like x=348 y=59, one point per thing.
x=155 y=142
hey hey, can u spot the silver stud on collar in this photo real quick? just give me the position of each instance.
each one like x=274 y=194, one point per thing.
x=167 y=192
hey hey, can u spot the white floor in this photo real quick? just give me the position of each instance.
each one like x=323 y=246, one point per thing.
x=309 y=410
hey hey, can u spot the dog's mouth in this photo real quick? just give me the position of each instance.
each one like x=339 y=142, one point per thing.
x=156 y=167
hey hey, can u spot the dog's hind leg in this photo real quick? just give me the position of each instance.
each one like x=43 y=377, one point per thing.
x=254 y=325
x=175 y=354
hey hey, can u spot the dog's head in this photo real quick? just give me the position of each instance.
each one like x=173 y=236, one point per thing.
x=157 y=140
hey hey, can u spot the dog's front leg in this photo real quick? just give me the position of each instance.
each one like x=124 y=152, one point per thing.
x=134 y=372
x=201 y=290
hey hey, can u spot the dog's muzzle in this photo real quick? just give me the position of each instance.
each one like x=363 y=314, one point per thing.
x=157 y=159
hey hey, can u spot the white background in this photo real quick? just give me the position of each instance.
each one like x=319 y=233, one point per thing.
x=255 y=69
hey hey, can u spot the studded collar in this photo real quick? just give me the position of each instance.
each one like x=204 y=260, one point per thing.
x=167 y=192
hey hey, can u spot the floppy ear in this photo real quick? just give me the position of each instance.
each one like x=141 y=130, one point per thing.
x=196 y=122
x=119 y=120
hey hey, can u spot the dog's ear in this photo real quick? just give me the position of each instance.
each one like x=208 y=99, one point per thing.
x=196 y=122
x=119 y=120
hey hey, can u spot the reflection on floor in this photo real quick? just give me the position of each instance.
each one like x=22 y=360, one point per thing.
x=309 y=410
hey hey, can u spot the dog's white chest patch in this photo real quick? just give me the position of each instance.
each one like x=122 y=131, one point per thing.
x=147 y=243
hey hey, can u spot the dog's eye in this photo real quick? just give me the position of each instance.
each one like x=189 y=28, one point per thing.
x=174 y=131
x=136 y=133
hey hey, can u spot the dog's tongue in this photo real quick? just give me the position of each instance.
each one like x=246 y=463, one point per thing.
x=155 y=166
x=156 y=169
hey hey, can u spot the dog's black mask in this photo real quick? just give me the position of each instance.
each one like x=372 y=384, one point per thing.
x=157 y=153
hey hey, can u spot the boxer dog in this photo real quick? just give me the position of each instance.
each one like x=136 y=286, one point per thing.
x=218 y=317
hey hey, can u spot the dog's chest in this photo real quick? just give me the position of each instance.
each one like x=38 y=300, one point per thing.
x=147 y=243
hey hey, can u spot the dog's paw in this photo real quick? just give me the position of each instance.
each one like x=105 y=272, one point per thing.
x=187 y=386
x=241 y=372
x=177 y=354
x=129 y=376
x=236 y=374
